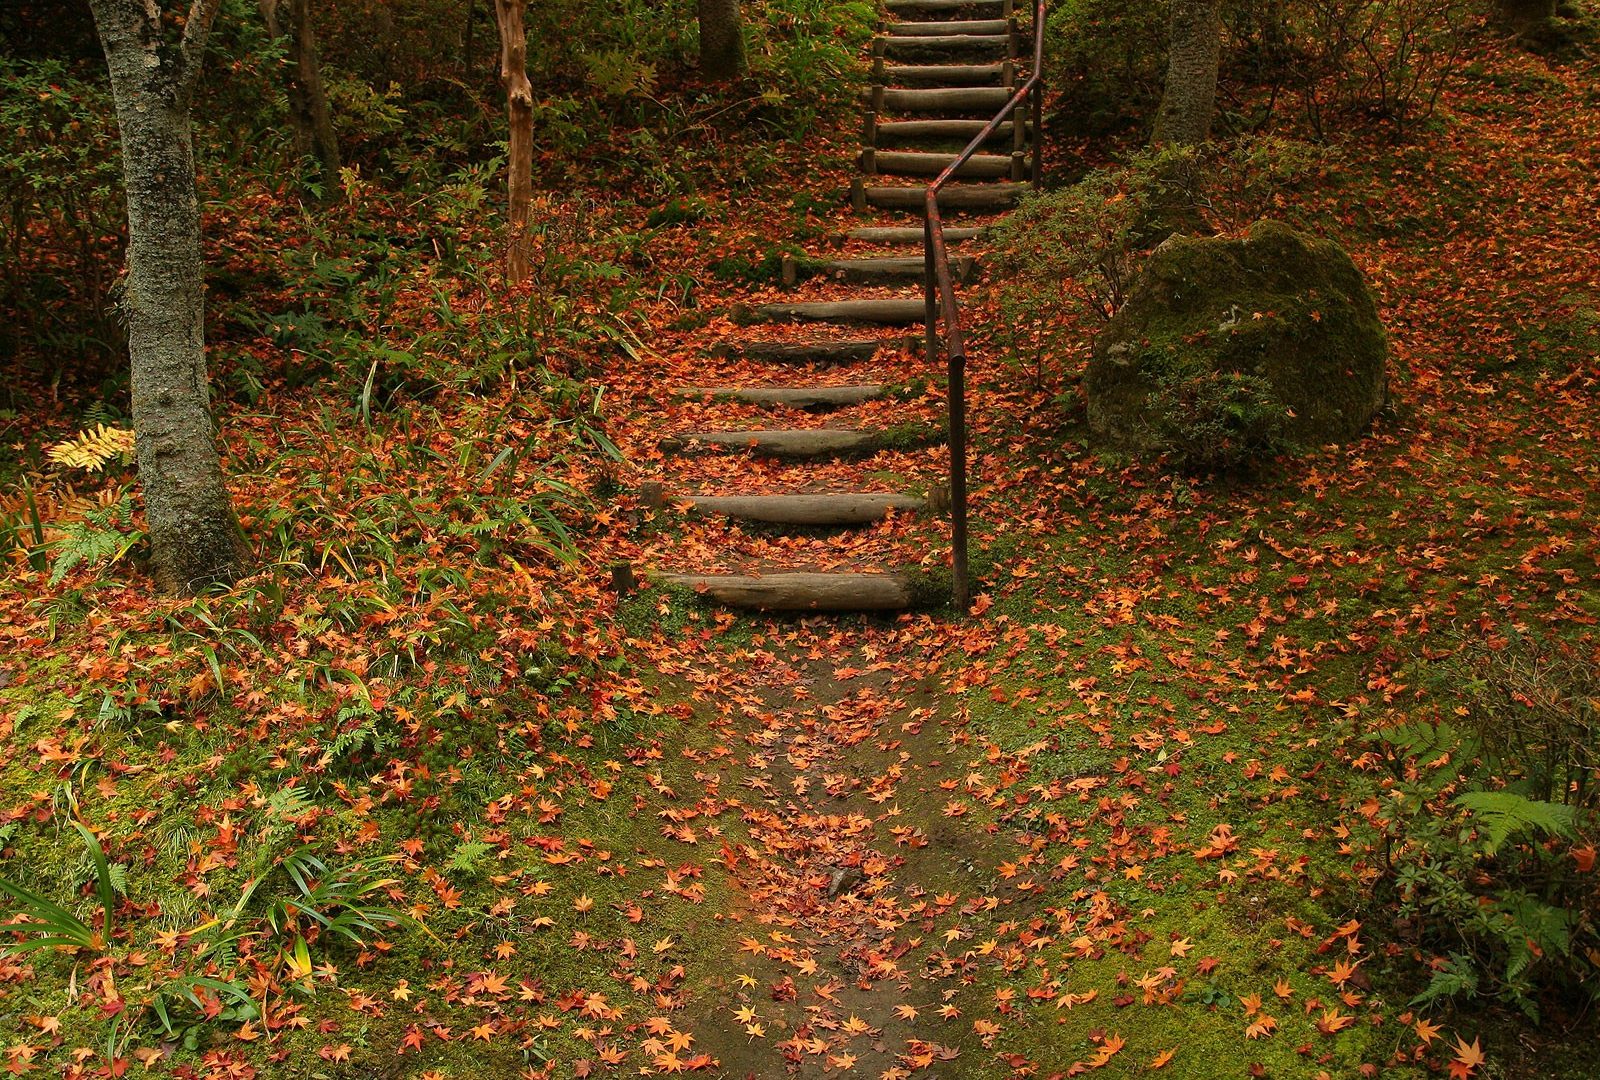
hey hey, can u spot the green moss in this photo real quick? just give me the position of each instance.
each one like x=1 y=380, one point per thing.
x=1285 y=320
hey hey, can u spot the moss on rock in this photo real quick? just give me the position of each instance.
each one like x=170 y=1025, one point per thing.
x=1278 y=309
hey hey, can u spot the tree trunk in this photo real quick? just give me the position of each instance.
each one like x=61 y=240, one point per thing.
x=1189 y=97
x=194 y=533
x=721 y=40
x=519 y=111
x=308 y=101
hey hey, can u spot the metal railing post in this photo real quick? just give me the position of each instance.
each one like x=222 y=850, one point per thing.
x=1024 y=106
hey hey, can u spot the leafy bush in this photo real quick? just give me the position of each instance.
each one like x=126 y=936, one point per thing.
x=1385 y=60
x=1216 y=422
x=1359 y=60
x=1112 y=56
x=1483 y=829
x=1076 y=251
x=60 y=241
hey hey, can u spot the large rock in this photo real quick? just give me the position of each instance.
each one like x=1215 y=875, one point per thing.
x=1288 y=313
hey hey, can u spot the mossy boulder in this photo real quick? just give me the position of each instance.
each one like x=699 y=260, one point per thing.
x=1253 y=344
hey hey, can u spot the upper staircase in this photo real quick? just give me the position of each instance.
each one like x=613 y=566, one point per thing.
x=941 y=70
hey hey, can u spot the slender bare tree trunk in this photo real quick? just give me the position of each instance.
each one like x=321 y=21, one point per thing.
x=721 y=40
x=519 y=111
x=308 y=101
x=194 y=533
x=1190 y=95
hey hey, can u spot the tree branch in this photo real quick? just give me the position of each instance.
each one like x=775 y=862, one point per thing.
x=192 y=49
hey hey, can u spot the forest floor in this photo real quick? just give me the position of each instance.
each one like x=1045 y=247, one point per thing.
x=1097 y=825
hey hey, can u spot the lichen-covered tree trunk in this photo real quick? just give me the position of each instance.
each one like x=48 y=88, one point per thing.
x=194 y=533
x=1190 y=95
x=721 y=40
x=308 y=101
x=509 y=17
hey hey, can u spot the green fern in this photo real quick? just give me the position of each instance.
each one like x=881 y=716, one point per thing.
x=1456 y=978
x=103 y=535
x=1500 y=815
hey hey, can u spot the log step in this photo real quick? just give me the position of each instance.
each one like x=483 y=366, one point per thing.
x=802 y=591
x=833 y=509
x=904 y=132
x=873 y=271
x=834 y=351
x=788 y=444
x=914 y=8
x=793 y=397
x=955 y=27
x=912 y=163
x=883 y=312
x=985 y=198
x=913 y=47
x=959 y=99
x=908 y=234
x=947 y=75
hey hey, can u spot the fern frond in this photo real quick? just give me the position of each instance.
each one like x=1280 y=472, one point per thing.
x=92 y=448
x=1504 y=814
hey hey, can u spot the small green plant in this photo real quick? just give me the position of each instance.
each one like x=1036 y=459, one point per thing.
x=58 y=927
x=101 y=537
x=1216 y=422
x=1484 y=827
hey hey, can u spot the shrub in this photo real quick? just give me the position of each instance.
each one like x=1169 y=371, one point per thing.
x=1356 y=60
x=60 y=241
x=1216 y=422
x=1484 y=827
x=1385 y=60
x=1076 y=251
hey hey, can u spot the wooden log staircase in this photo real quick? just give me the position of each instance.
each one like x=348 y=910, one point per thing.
x=941 y=69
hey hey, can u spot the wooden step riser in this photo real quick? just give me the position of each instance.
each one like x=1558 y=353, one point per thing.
x=908 y=234
x=805 y=511
x=820 y=354
x=925 y=134
x=901 y=271
x=804 y=444
x=804 y=398
x=796 y=593
x=847 y=312
x=944 y=76
x=979 y=167
x=972 y=101
x=951 y=28
x=945 y=10
x=945 y=50
x=975 y=198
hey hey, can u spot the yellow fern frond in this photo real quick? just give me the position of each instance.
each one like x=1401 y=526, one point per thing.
x=92 y=448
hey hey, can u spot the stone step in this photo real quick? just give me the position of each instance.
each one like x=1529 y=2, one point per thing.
x=828 y=352
x=907 y=312
x=913 y=163
x=952 y=28
x=832 y=509
x=912 y=47
x=926 y=8
x=959 y=99
x=872 y=271
x=883 y=133
x=980 y=198
x=909 y=234
x=797 y=444
x=793 y=397
x=802 y=591
x=946 y=75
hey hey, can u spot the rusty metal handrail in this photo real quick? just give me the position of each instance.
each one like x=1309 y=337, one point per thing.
x=939 y=291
